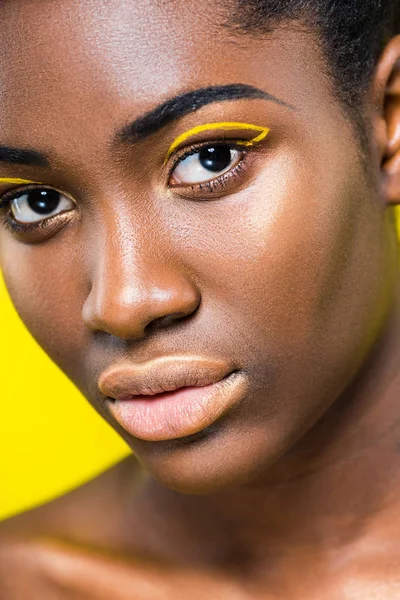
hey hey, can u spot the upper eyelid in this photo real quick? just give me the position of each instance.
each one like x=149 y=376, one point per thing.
x=227 y=125
x=17 y=181
x=8 y=196
x=5 y=196
x=198 y=146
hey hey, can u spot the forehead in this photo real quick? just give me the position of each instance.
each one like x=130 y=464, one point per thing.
x=70 y=65
x=48 y=45
x=115 y=36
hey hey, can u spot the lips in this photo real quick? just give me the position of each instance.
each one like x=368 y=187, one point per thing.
x=170 y=397
x=163 y=375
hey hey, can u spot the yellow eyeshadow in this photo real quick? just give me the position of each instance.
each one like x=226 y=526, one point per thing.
x=10 y=180
x=263 y=131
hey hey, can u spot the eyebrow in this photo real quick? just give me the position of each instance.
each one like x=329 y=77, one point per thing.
x=186 y=103
x=22 y=156
x=154 y=120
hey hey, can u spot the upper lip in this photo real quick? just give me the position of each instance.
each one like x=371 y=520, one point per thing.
x=161 y=375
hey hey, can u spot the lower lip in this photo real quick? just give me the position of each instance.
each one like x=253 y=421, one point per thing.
x=178 y=413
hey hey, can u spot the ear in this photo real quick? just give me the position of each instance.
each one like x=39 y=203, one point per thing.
x=386 y=97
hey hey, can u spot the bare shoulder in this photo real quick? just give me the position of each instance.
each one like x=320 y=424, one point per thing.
x=42 y=546
x=76 y=517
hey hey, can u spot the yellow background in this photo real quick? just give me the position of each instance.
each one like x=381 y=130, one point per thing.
x=51 y=439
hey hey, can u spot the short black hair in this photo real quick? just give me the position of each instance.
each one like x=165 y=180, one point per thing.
x=352 y=34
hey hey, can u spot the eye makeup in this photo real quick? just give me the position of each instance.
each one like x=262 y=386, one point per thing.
x=263 y=132
x=16 y=181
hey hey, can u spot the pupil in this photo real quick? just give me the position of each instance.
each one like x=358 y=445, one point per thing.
x=215 y=158
x=43 y=201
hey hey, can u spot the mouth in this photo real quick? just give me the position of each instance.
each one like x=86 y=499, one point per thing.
x=169 y=399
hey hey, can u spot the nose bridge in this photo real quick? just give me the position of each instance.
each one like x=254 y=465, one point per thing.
x=136 y=281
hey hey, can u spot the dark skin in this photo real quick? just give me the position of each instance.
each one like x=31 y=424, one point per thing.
x=290 y=271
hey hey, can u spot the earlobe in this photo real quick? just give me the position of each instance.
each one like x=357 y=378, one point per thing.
x=387 y=103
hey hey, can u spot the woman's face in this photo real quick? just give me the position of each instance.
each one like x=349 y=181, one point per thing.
x=282 y=267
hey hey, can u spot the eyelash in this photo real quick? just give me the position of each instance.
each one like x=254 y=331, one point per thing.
x=21 y=228
x=208 y=187
x=217 y=183
x=14 y=226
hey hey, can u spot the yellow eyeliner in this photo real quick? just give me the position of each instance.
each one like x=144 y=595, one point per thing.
x=228 y=125
x=8 y=180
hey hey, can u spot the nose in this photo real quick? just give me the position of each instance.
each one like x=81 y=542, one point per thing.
x=131 y=294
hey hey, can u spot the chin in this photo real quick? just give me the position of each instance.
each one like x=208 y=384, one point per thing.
x=218 y=459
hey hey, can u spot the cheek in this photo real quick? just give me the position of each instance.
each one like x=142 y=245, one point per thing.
x=304 y=271
x=43 y=283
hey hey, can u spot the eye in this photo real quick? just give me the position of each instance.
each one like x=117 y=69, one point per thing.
x=204 y=164
x=32 y=206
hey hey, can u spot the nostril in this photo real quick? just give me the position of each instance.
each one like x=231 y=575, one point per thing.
x=165 y=321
